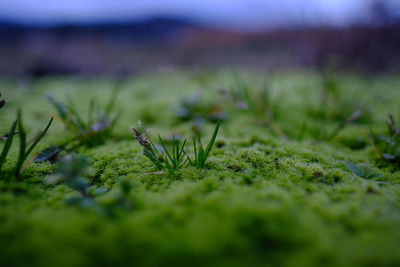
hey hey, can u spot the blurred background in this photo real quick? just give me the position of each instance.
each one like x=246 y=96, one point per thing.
x=120 y=38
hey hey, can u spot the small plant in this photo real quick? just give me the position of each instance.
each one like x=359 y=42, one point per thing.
x=24 y=149
x=335 y=105
x=334 y=111
x=201 y=153
x=8 y=138
x=362 y=170
x=98 y=125
x=388 y=144
x=195 y=108
x=176 y=157
x=258 y=101
x=321 y=132
x=71 y=170
x=161 y=157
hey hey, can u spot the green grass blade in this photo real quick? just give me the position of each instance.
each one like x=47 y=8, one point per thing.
x=212 y=140
x=26 y=153
x=22 y=144
x=195 y=149
x=38 y=138
x=75 y=118
x=8 y=143
x=200 y=149
x=61 y=109
x=191 y=162
x=182 y=153
x=201 y=160
x=175 y=152
x=165 y=149
x=336 y=131
x=153 y=158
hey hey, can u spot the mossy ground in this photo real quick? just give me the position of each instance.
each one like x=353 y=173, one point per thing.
x=262 y=200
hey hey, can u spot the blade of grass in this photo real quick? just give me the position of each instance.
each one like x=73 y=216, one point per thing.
x=25 y=154
x=61 y=109
x=212 y=140
x=182 y=152
x=153 y=158
x=39 y=137
x=22 y=144
x=8 y=143
x=165 y=149
x=195 y=149
x=75 y=117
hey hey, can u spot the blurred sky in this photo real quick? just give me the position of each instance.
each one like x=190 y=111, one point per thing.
x=240 y=14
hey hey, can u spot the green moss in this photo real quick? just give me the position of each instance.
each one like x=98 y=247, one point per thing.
x=261 y=200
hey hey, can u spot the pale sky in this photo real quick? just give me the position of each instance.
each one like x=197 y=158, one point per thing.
x=241 y=14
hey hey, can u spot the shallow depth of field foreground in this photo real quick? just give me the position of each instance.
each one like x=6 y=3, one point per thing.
x=304 y=170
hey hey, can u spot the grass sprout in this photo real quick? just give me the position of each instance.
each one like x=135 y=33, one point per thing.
x=335 y=105
x=8 y=138
x=196 y=108
x=388 y=144
x=96 y=127
x=173 y=156
x=258 y=101
x=72 y=170
x=163 y=157
x=322 y=132
x=201 y=153
x=25 y=148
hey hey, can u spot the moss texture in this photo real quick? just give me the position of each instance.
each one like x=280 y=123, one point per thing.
x=263 y=199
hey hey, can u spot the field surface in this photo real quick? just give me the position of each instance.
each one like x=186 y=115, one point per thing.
x=276 y=190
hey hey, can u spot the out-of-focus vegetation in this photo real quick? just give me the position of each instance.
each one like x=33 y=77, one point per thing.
x=315 y=185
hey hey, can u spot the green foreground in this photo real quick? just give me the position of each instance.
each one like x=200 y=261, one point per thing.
x=264 y=198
